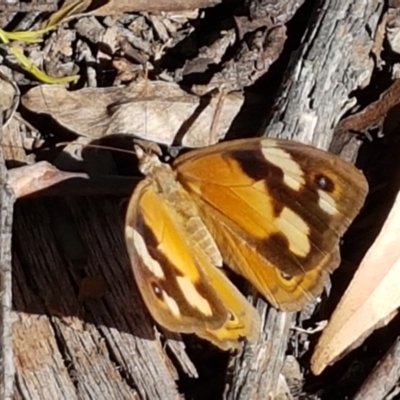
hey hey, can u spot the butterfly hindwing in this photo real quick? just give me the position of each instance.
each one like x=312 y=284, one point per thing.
x=181 y=288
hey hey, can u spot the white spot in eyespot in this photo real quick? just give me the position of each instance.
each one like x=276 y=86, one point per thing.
x=157 y=290
x=296 y=231
x=327 y=203
x=141 y=248
x=194 y=298
x=293 y=175
x=172 y=304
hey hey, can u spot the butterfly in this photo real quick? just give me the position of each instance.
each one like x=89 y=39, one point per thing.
x=271 y=210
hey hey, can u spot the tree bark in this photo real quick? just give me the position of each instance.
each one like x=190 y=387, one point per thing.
x=6 y=218
x=333 y=61
x=80 y=328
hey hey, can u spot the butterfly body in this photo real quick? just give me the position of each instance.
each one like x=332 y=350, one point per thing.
x=165 y=180
x=272 y=210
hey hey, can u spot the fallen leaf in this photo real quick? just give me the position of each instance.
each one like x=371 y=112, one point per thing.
x=33 y=178
x=156 y=111
x=111 y=7
x=370 y=302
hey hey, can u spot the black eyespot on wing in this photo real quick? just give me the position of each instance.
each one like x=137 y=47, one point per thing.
x=231 y=317
x=157 y=291
x=324 y=183
x=286 y=276
x=169 y=284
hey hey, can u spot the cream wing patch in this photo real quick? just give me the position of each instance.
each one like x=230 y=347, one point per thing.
x=141 y=248
x=194 y=298
x=327 y=203
x=172 y=304
x=295 y=230
x=293 y=175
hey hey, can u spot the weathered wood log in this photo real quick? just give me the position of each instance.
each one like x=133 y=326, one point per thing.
x=6 y=218
x=333 y=61
x=383 y=378
x=80 y=328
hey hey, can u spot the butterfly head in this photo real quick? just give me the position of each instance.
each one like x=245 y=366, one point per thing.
x=148 y=160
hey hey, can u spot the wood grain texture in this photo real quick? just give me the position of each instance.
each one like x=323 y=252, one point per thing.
x=68 y=348
x=6 y=217
x=332 y=61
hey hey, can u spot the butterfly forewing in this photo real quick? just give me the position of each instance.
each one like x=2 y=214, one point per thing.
x=276 y=209
x=183 y=291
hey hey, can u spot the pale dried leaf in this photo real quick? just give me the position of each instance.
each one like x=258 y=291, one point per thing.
x=121 y=6
x=371 y=300
x=30 y=179
x=156 y=111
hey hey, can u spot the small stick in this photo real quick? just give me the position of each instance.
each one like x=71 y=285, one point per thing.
x=374 y=114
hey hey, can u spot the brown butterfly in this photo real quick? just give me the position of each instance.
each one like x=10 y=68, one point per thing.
x=272 y=210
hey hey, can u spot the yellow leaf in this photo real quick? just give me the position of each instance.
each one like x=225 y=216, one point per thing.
x=64 y=12
x=55 y=19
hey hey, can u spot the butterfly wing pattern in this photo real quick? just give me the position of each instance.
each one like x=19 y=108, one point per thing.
x=277 y=210
x=272 y=210
x=181 y=288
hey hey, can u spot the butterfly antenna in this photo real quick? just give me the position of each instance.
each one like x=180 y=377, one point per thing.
x=96 y=146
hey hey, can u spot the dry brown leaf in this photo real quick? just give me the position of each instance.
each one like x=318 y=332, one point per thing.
x=121 y=6
x=371 y=300
x=156 y=111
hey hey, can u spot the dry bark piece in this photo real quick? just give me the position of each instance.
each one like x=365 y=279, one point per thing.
x=156 y=111
x=10 y=97
x=383 y=378
x=380 y=36
x=279 y=12
x=8 y=6
x=8 y=103
x=393 y=29
x=91 y=29
x=6 y=221
x=371 y=300
x=211 y=54
x=373 y=115
x=258 y=43
x=130 y=52
x=254 y=58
